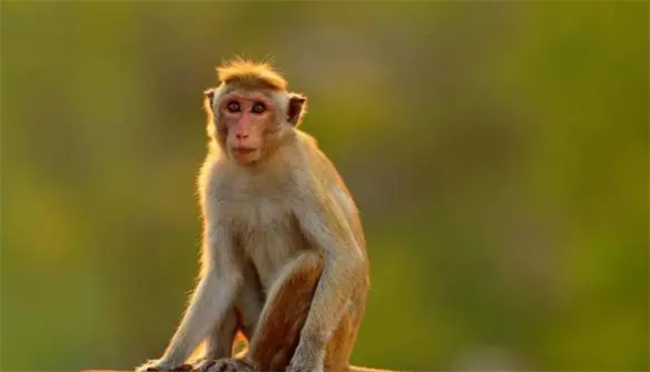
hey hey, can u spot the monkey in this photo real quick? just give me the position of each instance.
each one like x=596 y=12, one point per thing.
x=283 y=255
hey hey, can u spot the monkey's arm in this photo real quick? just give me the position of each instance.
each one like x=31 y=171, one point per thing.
x=214 y=295
x=326 y=227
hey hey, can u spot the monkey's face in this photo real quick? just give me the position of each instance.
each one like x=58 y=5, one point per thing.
x=244 y=120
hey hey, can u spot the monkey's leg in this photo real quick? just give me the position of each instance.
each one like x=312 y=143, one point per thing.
x=284 y=314
x=250 y=302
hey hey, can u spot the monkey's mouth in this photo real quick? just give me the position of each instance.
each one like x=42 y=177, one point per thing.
x=245 y=155
x=244 y=150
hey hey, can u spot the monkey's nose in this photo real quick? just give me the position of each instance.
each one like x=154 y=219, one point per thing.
x=241 y=136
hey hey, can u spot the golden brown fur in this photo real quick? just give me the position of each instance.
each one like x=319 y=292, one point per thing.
x=250 y=74
x=284 y=256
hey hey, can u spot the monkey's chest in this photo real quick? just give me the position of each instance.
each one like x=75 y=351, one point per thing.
x=269 y=236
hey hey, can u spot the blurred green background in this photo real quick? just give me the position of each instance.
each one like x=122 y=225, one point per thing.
x=498 y=152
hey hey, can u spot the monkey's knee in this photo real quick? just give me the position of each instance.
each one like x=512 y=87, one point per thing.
x=294 y=292
x=305 y=271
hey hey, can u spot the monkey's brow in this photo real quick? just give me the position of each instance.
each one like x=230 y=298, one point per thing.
x=249 y=96
x=247 y=89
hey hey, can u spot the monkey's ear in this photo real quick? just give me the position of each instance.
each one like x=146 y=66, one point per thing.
x=209 y=97
x=297 y=108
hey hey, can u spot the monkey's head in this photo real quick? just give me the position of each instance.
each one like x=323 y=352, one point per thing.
x=251 y=112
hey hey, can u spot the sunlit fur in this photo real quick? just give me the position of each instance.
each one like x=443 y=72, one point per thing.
x=251 y=74
x=283 y=255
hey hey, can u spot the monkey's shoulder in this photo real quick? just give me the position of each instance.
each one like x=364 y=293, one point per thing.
x=322 y=171
x=306 y=138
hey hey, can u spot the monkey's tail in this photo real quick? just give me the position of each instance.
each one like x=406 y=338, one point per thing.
x=367 y=369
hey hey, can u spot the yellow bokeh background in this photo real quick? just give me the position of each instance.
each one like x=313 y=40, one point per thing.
x=498 y=152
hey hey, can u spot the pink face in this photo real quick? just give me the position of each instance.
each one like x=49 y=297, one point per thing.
x=245 y=117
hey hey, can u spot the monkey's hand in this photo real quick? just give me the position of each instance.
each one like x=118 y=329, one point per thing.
x=224 y=365
x=162 y=365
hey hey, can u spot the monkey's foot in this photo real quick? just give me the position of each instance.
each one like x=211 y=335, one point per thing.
x=300 y=367
x=227 y=365
x=161 y=365
x=203 y=365
x=294 y=369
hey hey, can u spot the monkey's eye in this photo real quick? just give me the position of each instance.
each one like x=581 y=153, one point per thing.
x=233 y=107
x=258 y=108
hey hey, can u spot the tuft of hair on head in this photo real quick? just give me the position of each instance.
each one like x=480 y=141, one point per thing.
x=249 y=74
